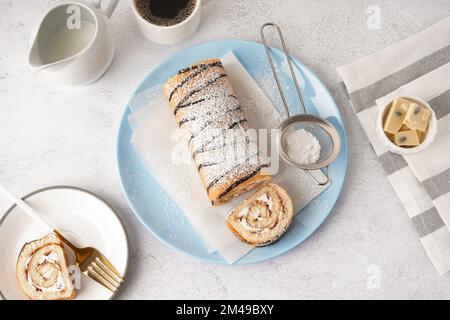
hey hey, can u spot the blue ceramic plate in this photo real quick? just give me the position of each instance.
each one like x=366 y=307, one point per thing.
x=159 y=214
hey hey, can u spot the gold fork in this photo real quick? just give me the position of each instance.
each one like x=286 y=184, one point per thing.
x=94 y=264
x=91 y=262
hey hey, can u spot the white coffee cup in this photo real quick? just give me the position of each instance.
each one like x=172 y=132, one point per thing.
x=169 y=34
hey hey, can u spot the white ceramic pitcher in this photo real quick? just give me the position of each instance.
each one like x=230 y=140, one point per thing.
x=73 y=44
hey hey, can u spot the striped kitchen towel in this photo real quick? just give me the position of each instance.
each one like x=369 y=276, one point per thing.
x=417 y=66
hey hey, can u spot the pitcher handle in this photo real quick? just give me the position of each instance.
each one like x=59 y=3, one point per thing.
x=109 y=9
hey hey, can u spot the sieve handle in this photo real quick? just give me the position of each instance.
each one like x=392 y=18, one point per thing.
x=274 y=71
x=320 y=183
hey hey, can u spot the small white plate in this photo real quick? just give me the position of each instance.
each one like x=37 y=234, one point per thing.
x=81 y=216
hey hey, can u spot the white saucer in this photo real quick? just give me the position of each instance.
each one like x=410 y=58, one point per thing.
x=81 y=216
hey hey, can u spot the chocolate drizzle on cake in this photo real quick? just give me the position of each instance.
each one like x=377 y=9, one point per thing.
x=200 y=66
x=201 y=148
x=191 y=93
x=218 y=178
x=207 y=164
x=207 y=108
x=200 y=69
x=208 y=123
x=236 y=123
x=242 y=180
x=201 y=100
x=208 y=113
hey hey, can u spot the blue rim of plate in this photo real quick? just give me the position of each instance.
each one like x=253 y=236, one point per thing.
x=328 y=198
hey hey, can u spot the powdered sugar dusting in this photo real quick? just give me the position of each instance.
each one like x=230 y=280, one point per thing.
x=206 y=105
x=181 y=182
x=303 y=147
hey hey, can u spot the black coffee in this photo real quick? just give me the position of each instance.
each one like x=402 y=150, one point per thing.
x=165 y=12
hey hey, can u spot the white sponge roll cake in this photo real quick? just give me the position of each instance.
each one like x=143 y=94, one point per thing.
x=264 y=217
x=42 y=271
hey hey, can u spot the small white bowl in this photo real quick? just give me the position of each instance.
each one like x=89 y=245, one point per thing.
x=431 y=133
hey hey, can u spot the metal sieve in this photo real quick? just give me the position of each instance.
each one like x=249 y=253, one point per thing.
x=321 y=128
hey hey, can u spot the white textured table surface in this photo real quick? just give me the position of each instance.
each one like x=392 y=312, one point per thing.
x=52 y=135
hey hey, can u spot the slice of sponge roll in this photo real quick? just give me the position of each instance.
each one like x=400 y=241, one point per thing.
x=42 y=271
x=264 y=217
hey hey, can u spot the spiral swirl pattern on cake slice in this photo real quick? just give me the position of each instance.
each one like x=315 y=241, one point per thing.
x=42 y=271
x=264 y=217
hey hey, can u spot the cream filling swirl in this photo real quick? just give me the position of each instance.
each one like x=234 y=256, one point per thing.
x=260 y=212
x=48 y=263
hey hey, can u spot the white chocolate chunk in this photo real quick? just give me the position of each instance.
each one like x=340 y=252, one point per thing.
x=397 y=114
x=404 y=128
x=417 y=117
x=421 y=135
x=407 y=138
